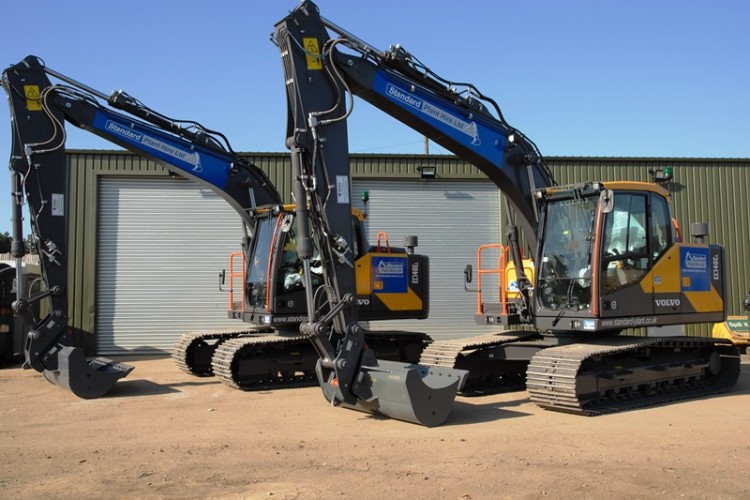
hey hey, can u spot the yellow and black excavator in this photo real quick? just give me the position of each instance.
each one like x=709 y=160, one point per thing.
x=271 y=298
x=606 y=255
x=266 y=290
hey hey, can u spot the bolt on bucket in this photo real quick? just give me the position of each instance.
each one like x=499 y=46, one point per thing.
x=414 y=393
x=86 y=379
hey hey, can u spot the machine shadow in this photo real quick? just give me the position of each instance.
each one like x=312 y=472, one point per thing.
x=464 y=412
x=140 y=387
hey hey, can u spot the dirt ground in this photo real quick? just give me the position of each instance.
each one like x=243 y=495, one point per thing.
x=161 y=433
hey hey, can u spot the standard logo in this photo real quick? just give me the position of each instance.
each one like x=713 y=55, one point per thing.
x=469 y=128
x=696 y=261
x=191 y=158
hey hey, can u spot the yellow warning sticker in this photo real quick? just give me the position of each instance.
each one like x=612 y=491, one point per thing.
x=33 y=97
x=312 y=50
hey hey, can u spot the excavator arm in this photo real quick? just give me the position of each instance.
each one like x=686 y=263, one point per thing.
x=38 y=165
x=348 y=372
x=454 y=115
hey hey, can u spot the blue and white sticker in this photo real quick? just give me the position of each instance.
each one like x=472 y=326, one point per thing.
x=389 y=275
x=191 y=158
x=694 y=269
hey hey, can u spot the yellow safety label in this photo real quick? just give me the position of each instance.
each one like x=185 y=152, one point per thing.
x=33 y=97
x=312 y=52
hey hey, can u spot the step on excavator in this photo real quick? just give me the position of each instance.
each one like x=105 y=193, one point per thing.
x=606 y=254
x=270 y=353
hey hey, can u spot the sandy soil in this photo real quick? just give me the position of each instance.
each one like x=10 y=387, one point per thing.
x=162 y=433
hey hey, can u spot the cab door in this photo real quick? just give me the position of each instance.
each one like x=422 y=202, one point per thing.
x=625 y=258
x=664 y=277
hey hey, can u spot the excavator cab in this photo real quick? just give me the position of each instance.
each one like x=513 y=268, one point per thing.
x=272 y=288
x=610 y=258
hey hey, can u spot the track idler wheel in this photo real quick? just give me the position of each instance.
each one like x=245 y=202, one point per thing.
x=86 y=379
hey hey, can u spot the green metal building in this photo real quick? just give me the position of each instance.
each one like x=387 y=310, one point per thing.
x=145 y=248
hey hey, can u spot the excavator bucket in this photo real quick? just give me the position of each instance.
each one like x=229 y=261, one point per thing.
x=86 y=379
x=414 y=393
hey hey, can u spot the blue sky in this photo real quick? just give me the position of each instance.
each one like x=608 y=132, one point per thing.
x=665 y=78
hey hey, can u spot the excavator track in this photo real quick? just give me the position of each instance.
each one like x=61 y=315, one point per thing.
x=194 y=350
x=282 y=361
x=484 y=378
x=266 y=362
x=623 y=373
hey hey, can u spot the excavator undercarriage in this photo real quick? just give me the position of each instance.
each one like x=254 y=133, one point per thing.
x=590 y=377
x=264 y=359
x=624 y=373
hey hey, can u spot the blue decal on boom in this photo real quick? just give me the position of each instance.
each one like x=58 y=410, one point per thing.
x=471 y=133
x=170 y=150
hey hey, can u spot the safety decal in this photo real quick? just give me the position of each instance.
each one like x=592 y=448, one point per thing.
x=312 y=53
x=58 y=204
x=342 y=189
x=33 y=97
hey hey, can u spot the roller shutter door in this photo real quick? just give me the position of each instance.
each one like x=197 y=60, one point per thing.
x=451 y=220
x=161 y=244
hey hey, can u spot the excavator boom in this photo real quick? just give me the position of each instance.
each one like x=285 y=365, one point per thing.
x=39 y=111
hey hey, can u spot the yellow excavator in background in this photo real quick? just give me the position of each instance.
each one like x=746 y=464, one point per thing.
x=736 y=329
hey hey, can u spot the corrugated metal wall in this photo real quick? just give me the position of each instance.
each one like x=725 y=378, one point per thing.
x=85 y=168
x=161 y=245
x=451 y=219
x=704 y=190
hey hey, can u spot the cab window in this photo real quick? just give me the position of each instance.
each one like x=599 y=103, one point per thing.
x=661 y=226
x=625 y=251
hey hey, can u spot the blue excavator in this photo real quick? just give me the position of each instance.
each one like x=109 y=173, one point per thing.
x=607 y=256
x=267 y=352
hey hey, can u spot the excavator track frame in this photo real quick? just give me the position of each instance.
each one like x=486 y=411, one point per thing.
x=266 y=360
x=472 y=353
x=624 y=373
x=193 y=352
